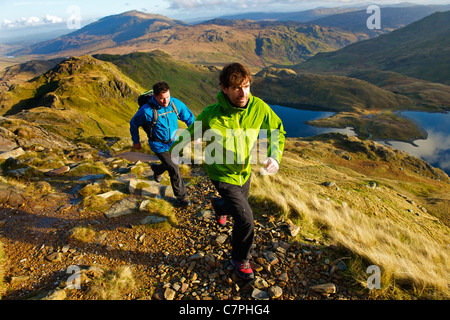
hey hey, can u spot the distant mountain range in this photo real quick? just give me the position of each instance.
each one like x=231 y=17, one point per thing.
x=421 y=50
x=281 y=39
x=214 y=42
x=392 y=18
x=300 y=16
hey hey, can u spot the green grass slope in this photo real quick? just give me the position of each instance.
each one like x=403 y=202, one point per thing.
x=80 y=97
x=420 y=50
x=84 y=97
x=196 y=86
x=285 y=87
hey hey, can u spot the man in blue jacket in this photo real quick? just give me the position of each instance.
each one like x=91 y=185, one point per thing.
x=162 y=134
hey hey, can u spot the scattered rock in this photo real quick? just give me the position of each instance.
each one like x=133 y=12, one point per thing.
x=260 y=295
x=56 y=295
x=221 y=239
x=326 y=288
x=145 y=188
x=57 y=172
x=53 y=257
x=12 y=154
x=123 y=207
x=329 y=184
x=143 y=206
x=92 y=177
x=293 y=229
x=271 y=257
x=18 y=279
x=260 y=284
x=275 y=292
x=197 y=256
x=205 y=215
x=192 y=262
x=153 y=220
x=169 y=294
x=108 y=194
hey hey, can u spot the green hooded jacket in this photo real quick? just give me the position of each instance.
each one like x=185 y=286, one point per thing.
x=231 y=134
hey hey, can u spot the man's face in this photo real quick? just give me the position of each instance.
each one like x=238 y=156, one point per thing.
x=238 y=96
x=163 y=99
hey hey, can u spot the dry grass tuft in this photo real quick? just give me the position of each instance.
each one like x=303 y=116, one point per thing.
x=411 y=250
x=163 y=208
x=113 y=285
x=83 y=234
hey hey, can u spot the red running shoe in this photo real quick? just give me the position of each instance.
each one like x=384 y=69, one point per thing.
x=243 y=269
x=217 y=204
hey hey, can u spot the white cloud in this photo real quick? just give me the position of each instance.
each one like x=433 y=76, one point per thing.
x=52 y=19
x=25 y=22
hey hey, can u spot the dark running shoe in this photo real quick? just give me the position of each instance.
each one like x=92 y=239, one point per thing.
x=243 y=269
x=217 y=204
x=157 y=178
x=184 y=203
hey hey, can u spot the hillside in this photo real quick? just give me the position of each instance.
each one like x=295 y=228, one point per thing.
x=72 y=99
x=106 y=32
x=195 y=85
x=419 y=50
x=83 y=96
x=337 y=205
x=329 y=92
x=72 y=193
x=212 y=43
x=25 y=71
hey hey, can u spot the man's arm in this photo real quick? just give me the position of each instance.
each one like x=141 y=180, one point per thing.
x=184 y=113
x=276 y=136
x=135 y=123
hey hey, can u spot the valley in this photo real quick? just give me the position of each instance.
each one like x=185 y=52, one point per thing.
x=74 y=193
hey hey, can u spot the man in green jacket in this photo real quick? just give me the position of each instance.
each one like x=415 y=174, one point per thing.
x=231 y=127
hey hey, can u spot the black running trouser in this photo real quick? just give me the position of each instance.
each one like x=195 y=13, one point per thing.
x=236 y=205
x=178 y=186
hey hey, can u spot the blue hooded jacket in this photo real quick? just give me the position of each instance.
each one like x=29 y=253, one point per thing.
x=165 y=128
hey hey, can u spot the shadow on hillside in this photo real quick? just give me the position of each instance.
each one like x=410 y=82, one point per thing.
x=34 y=230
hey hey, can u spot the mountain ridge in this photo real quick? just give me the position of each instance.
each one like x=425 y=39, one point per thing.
x=419 y=50
x=216 y=41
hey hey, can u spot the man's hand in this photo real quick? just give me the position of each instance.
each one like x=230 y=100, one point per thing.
x=272 y=166
x=137 y=146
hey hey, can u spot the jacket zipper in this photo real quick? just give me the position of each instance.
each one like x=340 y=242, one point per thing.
x=243 y=165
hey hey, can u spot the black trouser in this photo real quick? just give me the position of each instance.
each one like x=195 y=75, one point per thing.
x=236 y=205
x=179 y=189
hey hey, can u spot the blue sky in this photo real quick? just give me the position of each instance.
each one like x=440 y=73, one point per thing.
x=20 y=14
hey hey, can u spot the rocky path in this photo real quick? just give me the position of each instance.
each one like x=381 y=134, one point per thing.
x=186 y=261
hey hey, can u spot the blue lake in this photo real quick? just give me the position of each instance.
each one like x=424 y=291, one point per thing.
x=435 y=149
x=294 y=122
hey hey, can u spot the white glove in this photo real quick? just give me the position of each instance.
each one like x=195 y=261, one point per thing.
x=272 y=166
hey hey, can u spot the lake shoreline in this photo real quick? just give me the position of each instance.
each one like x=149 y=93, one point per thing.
x=378 y=127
